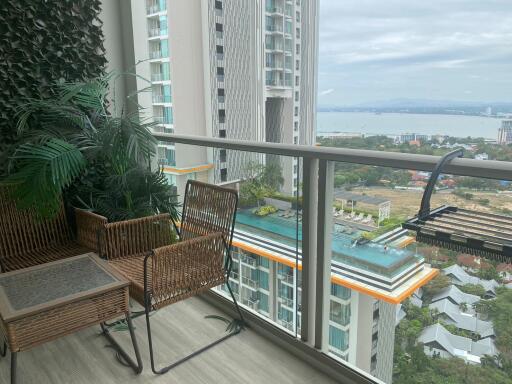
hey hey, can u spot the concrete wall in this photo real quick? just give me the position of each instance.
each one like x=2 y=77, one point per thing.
x=118 y=34
x=141 y=55
x=187 y=77
x=361 y=323
x=386 y=341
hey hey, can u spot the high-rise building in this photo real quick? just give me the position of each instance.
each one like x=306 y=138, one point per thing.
x=234 y=69
x=505 y=132
x=246 y=70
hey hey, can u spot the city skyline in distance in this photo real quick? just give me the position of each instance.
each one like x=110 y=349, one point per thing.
x=441 y=50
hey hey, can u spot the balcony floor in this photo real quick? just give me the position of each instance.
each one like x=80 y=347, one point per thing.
x=83 y=358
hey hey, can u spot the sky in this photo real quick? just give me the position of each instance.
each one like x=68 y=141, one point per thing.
x=420 y=49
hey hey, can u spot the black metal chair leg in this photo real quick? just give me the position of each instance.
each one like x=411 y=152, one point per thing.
x=236 y=304
x=133 y=315
x=4 y=351
x=137 y=367
x=14 y=358
x=234 y=330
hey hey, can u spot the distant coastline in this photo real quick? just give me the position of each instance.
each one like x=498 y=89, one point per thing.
x=396 y=123
x=496 y=109
x=418 y=111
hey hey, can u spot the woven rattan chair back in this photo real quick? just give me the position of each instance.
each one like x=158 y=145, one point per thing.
x=208 y=209
x=22 y=232
x=135 y=237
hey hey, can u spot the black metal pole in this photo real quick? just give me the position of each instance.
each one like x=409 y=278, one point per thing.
x=14 y=358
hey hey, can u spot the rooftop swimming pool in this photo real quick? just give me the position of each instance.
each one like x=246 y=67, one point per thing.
x=371 y=256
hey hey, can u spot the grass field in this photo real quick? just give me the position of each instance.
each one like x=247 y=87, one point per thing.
x=405 y=203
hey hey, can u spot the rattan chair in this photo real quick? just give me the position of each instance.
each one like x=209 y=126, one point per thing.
x=170 y=273
x=26 y=240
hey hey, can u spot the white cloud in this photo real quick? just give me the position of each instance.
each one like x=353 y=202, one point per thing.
x=415 y=48
x=326 y=92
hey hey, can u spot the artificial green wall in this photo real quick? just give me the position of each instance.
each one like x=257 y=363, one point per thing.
x=43 y=42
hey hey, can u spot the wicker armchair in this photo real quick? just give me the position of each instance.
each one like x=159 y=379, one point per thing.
x=170 y=273
x=26 y=241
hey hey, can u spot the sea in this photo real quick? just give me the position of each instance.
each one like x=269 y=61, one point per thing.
x=398 y=123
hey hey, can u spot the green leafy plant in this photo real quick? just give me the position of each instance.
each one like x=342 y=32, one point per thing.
x=71 y=145
x=43 y=43
x=265 y=210
x=260 y=181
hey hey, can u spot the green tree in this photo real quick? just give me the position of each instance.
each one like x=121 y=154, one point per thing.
x=489 y=273
x=436 y=285
x=473 y=289
x=260 y=181
x=272 y=176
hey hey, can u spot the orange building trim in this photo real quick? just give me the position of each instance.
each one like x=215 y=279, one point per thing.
x=340 y=281
x=266 y=254
x=181 y=171
x=382 y=296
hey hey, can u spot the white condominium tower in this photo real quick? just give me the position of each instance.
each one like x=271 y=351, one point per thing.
x=234 y=69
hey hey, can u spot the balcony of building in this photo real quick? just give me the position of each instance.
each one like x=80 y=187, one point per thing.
x=155 y=7
x=83 y=358
x=274 y=28
x=157 y=27
x=161 y=99
x=319 y=307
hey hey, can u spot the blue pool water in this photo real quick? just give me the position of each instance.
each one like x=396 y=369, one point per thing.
x=367 y=255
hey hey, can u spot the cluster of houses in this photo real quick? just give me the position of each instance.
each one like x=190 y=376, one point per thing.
x=453 y=307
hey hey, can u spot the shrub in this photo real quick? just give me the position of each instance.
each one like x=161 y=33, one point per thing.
x=265 y=210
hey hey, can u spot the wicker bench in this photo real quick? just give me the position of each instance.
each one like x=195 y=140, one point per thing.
x=26 y=241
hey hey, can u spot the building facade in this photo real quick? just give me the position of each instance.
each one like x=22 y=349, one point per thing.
x=505 y=132
x=234 y=69
x=360 y=329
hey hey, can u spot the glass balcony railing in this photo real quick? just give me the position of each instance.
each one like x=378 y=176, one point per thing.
x=162 y=120
x=155 y=8
x=154 y=32
x=162 y=99
x=249 y=282
x=274 y=47
x=278 y=10
x=274 y=27
x=275 y=82
x=375 y=315
x=285 y=278
x=155 y=54
x=160 y=77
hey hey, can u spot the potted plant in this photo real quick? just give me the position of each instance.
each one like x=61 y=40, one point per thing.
x=95 y=153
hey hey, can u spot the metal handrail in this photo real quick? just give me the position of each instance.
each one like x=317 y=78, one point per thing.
x=491 y=169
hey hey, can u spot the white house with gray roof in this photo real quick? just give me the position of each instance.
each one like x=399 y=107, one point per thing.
x=437 y=340
x=468 y=321
x=460 y=277
x=456 y=296
x=446 y=305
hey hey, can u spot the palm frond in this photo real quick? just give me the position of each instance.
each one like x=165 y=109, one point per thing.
x=77 y=144
x=42 y=171
x=89 y=95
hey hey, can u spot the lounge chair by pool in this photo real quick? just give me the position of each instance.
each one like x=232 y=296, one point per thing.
x=359 y=217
